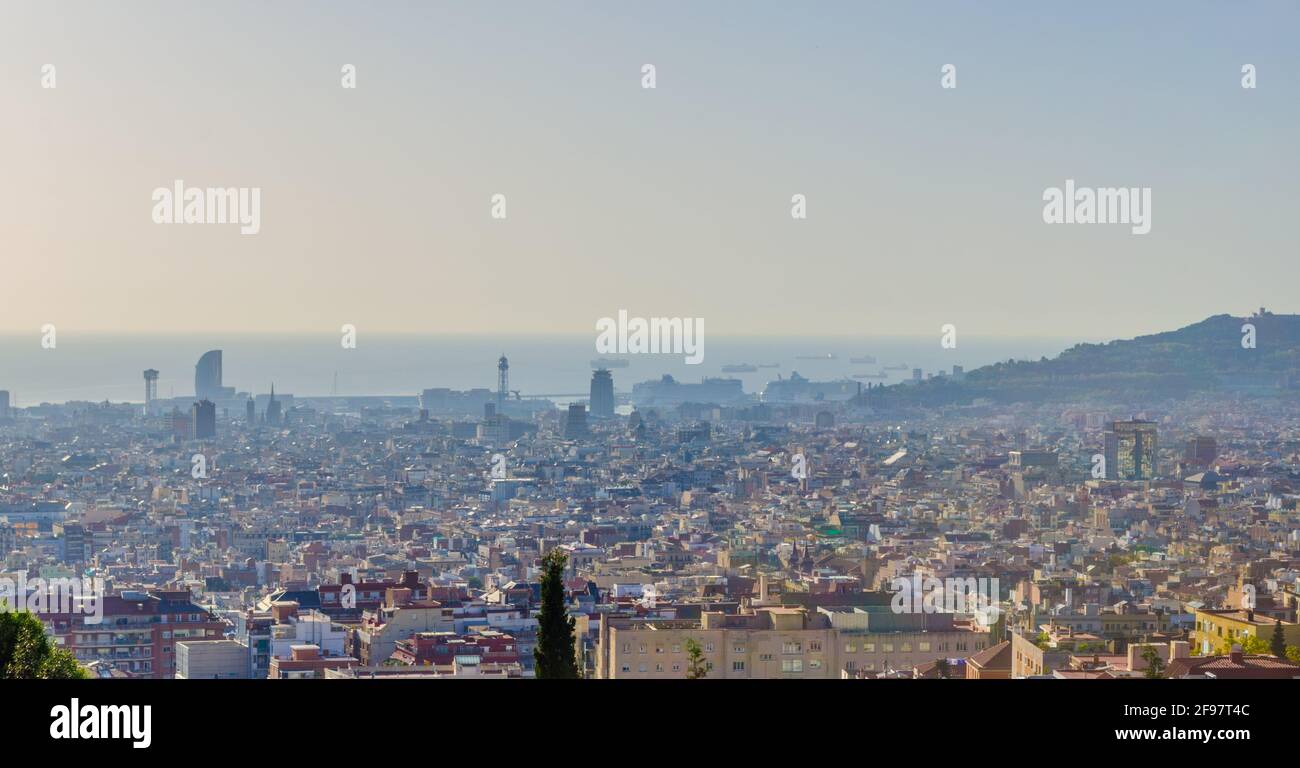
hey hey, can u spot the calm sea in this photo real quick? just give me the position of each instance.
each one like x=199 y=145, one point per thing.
x=100 y=367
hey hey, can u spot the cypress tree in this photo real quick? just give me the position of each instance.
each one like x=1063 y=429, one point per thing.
x=554 y=655
x=1279 y=640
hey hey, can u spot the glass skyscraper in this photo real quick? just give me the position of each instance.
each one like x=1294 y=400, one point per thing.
x=1130 y=450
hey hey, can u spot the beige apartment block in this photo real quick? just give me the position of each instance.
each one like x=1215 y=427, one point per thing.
x=784 y=642
x=770 y=642
x=375 y=639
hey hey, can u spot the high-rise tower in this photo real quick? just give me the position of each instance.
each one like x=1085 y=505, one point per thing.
x=1130 y=450
x=602 y=394
x=204 y=414
x=150 y=390
x=207 y=376
x=503 y=383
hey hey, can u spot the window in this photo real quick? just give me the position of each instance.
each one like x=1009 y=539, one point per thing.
x=889 y=647
x=677 y=647
x=640 y=668
x=907 y=647
x=792 y=646
x=868 y=647
x=850 y=648
x=792 y=665
x=815 y=664
x=738 y=666
x=738 y=649
x=924 y=645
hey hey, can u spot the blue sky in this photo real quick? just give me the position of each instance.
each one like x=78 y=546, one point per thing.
x=924 y=204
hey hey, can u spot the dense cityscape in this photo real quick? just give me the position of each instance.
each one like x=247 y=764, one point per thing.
x=705 y=531
x=742 y=341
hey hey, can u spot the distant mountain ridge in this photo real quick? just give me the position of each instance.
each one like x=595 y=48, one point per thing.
x=1205 y=356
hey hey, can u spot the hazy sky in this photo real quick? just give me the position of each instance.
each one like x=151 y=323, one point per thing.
x=924 y=204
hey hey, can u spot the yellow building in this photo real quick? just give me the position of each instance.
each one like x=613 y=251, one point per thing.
x=1216 y=629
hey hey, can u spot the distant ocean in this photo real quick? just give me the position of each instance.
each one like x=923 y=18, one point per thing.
x=110 y=367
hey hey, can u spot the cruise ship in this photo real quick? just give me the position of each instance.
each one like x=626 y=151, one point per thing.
x=797 y=389
x=668 y=391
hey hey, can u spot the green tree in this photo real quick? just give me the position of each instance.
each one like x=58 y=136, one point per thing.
x=554 y=653
x=1155 y=665
x=1250 y=645
x=944 y=669
x=1293 y=653
x=1256 y=646
x=696 y=667
x=26 y=652
x=1279 y=640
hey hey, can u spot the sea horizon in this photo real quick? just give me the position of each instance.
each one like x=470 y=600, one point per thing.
x=94 y=367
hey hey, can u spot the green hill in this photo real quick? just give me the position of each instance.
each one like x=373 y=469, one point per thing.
x=1206 y=356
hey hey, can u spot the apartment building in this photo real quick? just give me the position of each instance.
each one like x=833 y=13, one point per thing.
x=784 y=642
x=211 y=660
x=375 y=639
x=137 y=633
x=305 y=662
x=1216 y=629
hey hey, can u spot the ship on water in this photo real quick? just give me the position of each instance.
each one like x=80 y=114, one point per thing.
x=863 y=360
x=667 y=391
x=896 y=367
x=798 y=389
x=609 y=362
x=879 y=375
x=769 y=365
x=739 y=368
x=827 y=356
